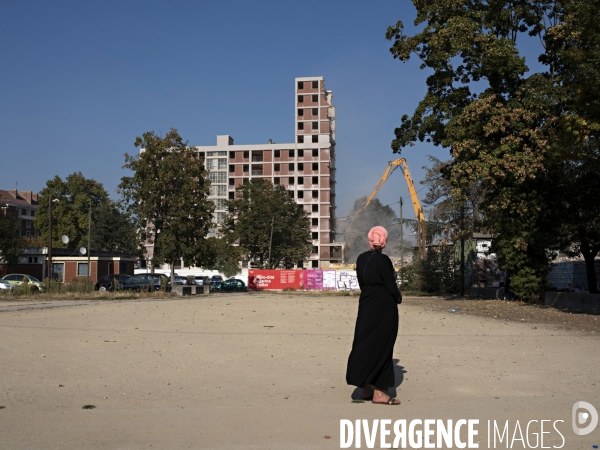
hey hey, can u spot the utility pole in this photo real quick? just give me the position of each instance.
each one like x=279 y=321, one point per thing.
x=271 y=240
x=462 y=251
x=49 y=237
x=89 y=241
x=401 y=242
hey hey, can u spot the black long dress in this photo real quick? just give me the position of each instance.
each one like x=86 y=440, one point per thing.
x=370 y=361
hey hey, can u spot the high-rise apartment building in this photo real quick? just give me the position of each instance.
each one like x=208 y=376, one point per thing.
x=306 y=167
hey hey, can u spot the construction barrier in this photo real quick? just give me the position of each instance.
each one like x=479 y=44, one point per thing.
x=310 y=280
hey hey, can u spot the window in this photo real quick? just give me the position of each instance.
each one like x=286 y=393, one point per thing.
x=315 y=208
x=314 y=221
x=300 y=166
x=315 y=167
x=32 y=212
x=300 y=139
x=218 y=217
x=300 y=153
x=291 y=167
x=315 y=152
x=300 y=112
x=315 y=85
x=28 y=234
x=216 y=154
x=23 y=212
x=291 y=153
x=315 y=98
x=277 y=167
x=257 y=156
x=291 y=193
x=314 y=264
x=315 y=249
x=231 y=168
x=315 y=125
x=245 y=168
x=315 y=236
x=28 y=225
x=277 y=153
x=301 y=125
x=231 y=182
x=257 y=170
x=245 y=181
x=219 y=203
x=231 y=155
x=301 y=99
x=231 y=195
x=276 y=181
x=218 y=190
x=58 y=272
x=315 y=194
x=300 y=193
x=300 y=85
x=315 y=111
x=315 y=138
x=216 y=164
x=246 y=154
x=300 y=179
x=291 y=181
x=217 y=177
x=82 y=269
x=315 y=180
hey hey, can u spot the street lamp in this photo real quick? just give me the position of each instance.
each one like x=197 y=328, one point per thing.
x=89 y=242
x=50 y=235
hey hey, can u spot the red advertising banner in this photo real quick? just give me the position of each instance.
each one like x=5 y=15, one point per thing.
x=274 y=279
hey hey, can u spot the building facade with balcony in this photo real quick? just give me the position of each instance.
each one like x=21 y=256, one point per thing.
x=306 y=167
x=23 y=205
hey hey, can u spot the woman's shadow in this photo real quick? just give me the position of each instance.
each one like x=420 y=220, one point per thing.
x=399 y=372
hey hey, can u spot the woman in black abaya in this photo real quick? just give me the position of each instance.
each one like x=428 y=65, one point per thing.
x=370 y=362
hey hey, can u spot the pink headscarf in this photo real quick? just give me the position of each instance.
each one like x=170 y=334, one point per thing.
x=377 y=237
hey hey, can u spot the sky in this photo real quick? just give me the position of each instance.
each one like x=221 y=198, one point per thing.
x=80 y=80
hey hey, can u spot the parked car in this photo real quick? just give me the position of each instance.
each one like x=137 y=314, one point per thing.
x=107 y=282
x=202 y=280
x=231 y=285
x=180 y=280
x=216 y=279
x=143 y=282
x=5 y=285
x=17 y=279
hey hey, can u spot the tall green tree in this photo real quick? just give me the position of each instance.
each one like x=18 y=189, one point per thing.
x=223 y=257
x=114 y=231
x=70 y=209
x=167 y=196
x=11 y=244
x=258 y=208
x=573 y=51
x=504 y=125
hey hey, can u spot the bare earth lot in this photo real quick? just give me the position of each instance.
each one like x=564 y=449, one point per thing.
x=268 y=370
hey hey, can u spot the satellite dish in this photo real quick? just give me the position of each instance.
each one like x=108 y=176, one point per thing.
x=83 y=250
x=65 y=239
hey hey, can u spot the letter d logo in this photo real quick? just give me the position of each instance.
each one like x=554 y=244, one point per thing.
x=581 y=418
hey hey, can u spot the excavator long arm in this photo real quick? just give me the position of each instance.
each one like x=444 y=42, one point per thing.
x=401 y=162
x=412 y=191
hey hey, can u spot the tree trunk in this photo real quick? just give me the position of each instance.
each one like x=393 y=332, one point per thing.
x=589 y=253
x=172 y=273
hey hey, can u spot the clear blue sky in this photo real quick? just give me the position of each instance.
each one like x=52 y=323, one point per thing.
x=82 y=79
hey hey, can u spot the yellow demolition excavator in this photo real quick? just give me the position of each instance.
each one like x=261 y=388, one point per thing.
x=393 y=165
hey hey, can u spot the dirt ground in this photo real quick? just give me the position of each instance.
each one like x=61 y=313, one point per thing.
x=266 y=370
